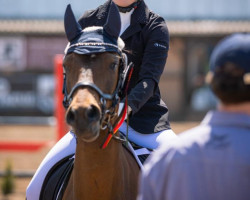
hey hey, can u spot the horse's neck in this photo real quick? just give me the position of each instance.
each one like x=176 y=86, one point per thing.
x=101 y=170
x=90 y=156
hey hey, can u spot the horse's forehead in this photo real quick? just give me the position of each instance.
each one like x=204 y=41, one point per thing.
x=74 y=60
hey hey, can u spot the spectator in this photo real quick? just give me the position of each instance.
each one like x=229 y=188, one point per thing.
x=212 y=160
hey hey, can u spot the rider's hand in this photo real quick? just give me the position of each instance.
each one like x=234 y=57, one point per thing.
x=121 y=105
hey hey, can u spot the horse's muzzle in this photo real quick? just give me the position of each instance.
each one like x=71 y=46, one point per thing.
x=87 y=115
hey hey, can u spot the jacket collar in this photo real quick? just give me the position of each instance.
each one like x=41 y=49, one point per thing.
x=103 y=10
x=140 y=14
x=138 y=17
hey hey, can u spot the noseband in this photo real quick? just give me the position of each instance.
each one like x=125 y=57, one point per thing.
x=114 y=97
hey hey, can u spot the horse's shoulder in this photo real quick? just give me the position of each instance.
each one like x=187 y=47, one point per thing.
x=57 y=179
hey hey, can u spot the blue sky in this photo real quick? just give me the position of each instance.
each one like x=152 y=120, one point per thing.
x=169 y=9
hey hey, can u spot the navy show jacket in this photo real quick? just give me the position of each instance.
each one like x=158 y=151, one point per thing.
x=147 y=43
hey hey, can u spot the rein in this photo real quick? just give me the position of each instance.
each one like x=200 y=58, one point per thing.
x=123 y=113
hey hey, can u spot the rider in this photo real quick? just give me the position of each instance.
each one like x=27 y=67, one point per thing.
x=146 y=40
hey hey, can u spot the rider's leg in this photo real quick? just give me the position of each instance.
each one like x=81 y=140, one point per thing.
x=65 y=147
x=150 y=141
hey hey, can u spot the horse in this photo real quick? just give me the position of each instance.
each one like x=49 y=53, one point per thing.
x=94 y=78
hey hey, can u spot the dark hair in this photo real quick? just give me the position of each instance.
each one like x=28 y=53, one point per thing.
x=228 y=85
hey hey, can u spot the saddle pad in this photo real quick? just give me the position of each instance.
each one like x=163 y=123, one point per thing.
x=57 y=179
x=140 y=153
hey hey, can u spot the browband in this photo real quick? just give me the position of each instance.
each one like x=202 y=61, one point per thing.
x=118 y=50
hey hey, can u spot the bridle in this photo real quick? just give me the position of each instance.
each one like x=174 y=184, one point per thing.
x=114 y=97
x=107 y=113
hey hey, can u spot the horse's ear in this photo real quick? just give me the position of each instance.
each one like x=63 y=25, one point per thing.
x=71 y=26
x=113 y=24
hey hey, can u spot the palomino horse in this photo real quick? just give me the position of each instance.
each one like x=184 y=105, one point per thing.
x=93 y=67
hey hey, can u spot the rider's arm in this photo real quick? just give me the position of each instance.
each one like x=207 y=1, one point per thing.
x=153 y=63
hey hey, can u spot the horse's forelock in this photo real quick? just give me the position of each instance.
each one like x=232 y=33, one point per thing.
x=91 y=28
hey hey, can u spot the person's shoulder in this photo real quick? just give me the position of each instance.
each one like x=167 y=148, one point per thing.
x=154 y=16
x=196 y=134
x=199 y=134
x=156 y=27
x=172 y=154
x=93 y=14
x=156 y=24
x=188 y=143
x=88 y=14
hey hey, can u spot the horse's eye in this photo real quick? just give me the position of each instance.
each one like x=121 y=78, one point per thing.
x=113 y=66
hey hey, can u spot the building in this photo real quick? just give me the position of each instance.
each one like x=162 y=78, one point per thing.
x=31 y=33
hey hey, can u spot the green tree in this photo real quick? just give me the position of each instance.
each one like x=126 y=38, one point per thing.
x=8 y=180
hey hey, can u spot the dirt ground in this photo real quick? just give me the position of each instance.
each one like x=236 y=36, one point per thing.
x=28 y=161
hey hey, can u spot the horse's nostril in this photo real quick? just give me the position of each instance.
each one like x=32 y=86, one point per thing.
x=93 y=113
x=70 y=118
x=90 y=114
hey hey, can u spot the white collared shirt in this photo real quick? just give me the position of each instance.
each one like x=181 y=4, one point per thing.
x=125 y=20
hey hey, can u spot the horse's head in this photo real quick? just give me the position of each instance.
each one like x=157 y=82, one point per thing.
x=93 y=67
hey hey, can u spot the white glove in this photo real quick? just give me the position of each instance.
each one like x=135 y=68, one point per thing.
x=121 y=105
x=120 y=108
